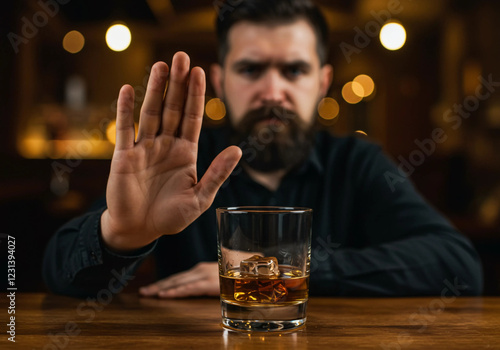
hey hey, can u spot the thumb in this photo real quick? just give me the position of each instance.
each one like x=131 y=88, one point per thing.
x=217 y=173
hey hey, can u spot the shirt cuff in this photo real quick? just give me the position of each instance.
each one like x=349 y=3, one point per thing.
x=97 y=253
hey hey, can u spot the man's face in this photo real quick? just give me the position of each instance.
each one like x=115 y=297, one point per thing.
x=273 y=66
x=271 y=83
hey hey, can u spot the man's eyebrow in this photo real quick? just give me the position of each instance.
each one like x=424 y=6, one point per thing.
x=250 y=62
x=298 y=63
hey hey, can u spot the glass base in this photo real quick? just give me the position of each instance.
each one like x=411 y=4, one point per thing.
x=263 y=326
x=275 y=318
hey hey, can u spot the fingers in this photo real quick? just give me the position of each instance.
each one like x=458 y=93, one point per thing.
x=195 y=104
x=193 y=289
x=176 y=94
x=184 y=100
x=217 y=173
x=151 y=110
x=125 y=133
x=170 y=282
x=203 y=279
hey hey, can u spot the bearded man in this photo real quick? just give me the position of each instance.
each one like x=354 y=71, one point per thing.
x=369 y=238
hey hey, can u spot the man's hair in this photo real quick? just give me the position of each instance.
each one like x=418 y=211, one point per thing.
x=273 y=12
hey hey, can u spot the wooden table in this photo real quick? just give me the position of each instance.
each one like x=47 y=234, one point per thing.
x=128 y=322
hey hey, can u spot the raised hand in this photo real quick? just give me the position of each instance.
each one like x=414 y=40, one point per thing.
x=153 y=189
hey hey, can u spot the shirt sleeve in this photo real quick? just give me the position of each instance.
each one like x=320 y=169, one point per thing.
x=407 y=247
x=76 y=262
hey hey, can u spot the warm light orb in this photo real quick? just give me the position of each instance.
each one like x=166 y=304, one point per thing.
x=328 y=108
x=111 y=132
x=118 y=37
x=215 y=109
x=393 y=36
x=352 y=94
x=358 y=89
x=73 y=41
x=366 y=82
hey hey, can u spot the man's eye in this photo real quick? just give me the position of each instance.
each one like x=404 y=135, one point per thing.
x=250 y=71
x=293 y=72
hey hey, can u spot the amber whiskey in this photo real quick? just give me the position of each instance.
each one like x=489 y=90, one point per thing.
x=288 y=288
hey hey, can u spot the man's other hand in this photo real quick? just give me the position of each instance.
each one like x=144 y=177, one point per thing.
x=201 y=280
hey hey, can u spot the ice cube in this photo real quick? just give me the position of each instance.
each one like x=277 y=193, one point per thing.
x=246 y=290
x=259 y=290
x=272 y=291
x=259 y=281
x=257 y=265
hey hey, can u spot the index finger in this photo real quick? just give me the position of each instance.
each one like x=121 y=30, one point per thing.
x=125 y=133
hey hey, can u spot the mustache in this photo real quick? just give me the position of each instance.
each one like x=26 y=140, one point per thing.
x=283 y=143
x=281 y=114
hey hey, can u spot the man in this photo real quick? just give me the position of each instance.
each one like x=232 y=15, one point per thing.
x=272 y=72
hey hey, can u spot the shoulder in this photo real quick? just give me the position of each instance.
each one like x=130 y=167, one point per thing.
x=349 y=150
x=357 y=161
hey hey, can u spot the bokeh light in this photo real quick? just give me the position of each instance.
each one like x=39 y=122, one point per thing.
x=118 y=37
x=349 y=94
x=358 y=90
x=215 y=109
x=73 y=41
x=328 y=108
x=366 y=82
x=111 y=132
x=393 y=36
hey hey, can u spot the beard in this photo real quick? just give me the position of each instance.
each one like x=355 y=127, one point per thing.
x=273 y=138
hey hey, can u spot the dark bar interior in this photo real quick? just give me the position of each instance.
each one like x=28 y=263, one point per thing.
x=434 y=106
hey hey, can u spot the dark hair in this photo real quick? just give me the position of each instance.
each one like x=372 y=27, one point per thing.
x=231 y=12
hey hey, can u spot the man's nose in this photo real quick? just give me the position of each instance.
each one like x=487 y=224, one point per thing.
x=272 y=88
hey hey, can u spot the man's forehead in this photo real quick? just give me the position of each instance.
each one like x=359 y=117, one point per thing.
x=278 y=42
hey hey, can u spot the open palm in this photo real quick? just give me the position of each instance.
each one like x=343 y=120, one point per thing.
x=153 y=187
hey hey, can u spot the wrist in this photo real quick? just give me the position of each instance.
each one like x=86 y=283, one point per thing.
x=118 y=240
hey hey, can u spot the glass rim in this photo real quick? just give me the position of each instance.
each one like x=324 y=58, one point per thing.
x=263 y=209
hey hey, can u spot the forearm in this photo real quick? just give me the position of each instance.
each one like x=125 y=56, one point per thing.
x=76 y=263
x=422 y=265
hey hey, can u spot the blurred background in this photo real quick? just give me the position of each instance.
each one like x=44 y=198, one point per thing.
x=418 y=77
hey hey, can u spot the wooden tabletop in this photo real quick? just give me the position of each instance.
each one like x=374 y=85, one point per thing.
x=129 y=322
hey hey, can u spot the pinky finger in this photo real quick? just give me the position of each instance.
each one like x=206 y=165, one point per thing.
x=125 y=133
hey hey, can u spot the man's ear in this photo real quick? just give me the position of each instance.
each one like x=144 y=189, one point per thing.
x=326 y=78
x=216 y=79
